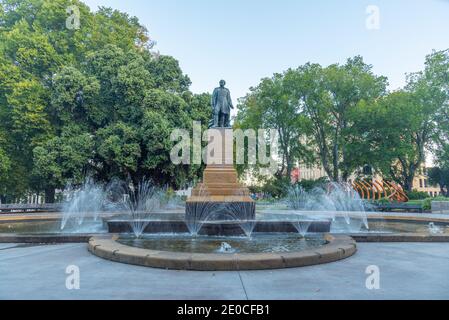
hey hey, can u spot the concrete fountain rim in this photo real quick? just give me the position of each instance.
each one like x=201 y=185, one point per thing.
x=60 y=238
x=339 y=247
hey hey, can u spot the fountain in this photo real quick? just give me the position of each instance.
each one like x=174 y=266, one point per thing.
x=84 y=203
x=433 y=229
x=302 y=226
x=218 y=227
x=140 y=203
x=244 y=211
x=226 y=248
x=337 y=202
x=223 y=231
x=199 y=212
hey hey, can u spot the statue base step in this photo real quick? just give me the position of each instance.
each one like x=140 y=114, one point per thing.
x=207 y=209
x=220 y=196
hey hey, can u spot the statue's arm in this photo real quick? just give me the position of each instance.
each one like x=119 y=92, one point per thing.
x=213 y=99
x=230 y=100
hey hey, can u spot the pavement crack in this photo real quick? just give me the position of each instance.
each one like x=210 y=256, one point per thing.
x=243 y=285
x=20 y=246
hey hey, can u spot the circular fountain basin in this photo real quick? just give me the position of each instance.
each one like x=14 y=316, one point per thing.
x=261 y=243
x=275 y=251
x=51 y=226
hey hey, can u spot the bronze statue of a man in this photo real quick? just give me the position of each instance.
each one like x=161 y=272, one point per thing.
x=221 y=106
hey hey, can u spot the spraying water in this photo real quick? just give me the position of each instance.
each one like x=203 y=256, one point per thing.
x=242 y=212
x=338 y=202
x=200 y=212
x=84 y=202
x=302 y=226
x=140 y=202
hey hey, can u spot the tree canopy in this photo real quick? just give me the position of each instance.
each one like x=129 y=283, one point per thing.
x=342 y=118
x=93 y=101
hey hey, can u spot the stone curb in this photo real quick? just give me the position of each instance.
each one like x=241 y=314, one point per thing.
x=44 y=239
x=338 y=248
x=400 y=237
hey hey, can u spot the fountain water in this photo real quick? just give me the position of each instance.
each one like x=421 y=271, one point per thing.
x=302 y=226
x=433 y=229
x=85 y=202
x=338 y=202
x=171 y=201
x=199 y=212
x=242 y=212
x=140 y=202
x=226 y=248
x=203 y=211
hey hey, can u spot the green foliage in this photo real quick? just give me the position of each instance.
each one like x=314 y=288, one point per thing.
x=383 y=201
x=427 y=204
x=97 y=102
x=269 y=106
x=328 y=96
x=64 y=158
x=276 y=188
x=417 y=195
x=440 y=176
x=309 y=185
x=88 y=102
x=350 y=121
x=441 y=198
x=313 y=109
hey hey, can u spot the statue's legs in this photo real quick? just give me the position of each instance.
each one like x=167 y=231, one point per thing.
x=216 y=120
x=226 y=120
x=221 y=120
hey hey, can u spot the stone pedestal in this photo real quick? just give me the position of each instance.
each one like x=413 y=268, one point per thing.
x=220 y=190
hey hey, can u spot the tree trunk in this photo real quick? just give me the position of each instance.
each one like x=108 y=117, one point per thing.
x=289 y=166
x=345 y=176
x=336 y=174
x=408 y=182
x=50 y=195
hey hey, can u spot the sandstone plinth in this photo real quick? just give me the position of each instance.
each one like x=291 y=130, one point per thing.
x=220 y=184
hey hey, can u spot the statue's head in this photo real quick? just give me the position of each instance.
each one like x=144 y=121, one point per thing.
x=222 y=83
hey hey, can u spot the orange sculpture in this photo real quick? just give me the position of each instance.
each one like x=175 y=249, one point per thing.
x=377 y=190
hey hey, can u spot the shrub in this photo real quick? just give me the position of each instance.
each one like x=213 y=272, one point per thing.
x=417 y=195
x=309 y=185
x=440 y=198
x=276 y=188
x=383 y=201
x=427 y=203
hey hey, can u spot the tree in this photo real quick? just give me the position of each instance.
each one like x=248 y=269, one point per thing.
x=62 y=159
x=5 y=167
x=438 y=74
x=270 y=106
x=426 y=103
x=396 y=131
x=88 y=102
x=327 y=96
x=440 y=176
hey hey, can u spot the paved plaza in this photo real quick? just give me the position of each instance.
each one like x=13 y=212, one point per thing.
x=407 y=271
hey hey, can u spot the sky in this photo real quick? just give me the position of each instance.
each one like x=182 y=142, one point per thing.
x=243 y=41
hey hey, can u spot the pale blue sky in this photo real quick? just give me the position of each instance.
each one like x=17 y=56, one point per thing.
x=243 y=41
